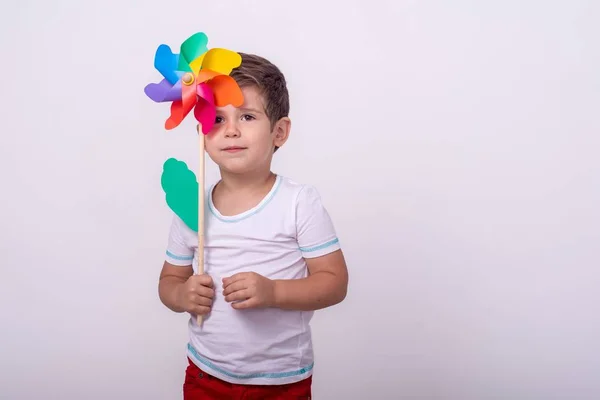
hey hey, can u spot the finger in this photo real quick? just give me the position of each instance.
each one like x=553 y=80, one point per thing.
x=197 y=300
x=203 y=279
x=234 y=278
x=242 y=305
x=234 y=287
x=240 y=295
x=205 y=291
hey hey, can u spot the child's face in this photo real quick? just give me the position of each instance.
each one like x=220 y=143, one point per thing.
x=242 y=140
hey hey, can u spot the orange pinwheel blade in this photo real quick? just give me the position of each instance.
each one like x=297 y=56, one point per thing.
x=226 y=91
x=206 y=74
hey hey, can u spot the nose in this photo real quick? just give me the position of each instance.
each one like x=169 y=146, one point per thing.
x=231 y=130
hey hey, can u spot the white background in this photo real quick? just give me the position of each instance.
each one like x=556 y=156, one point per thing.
x=454 y=143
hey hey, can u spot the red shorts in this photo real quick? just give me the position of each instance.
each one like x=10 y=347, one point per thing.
x=200 y=385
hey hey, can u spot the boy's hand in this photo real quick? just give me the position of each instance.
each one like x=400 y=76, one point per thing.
x=196 y=294
x=249 y=290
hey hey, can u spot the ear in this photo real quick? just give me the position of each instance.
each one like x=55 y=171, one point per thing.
x=281 y=131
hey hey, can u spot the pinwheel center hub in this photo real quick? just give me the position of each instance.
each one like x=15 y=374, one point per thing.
x=188 y=78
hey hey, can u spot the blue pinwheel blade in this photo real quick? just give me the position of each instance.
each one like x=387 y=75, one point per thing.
x=166 y=63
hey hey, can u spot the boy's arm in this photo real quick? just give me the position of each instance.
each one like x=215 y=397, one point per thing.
x=327 y=280
x=171 y=277
x=178 y=288
x=325 y=286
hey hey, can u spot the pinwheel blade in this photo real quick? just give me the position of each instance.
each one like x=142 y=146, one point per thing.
x=181 y=108
x=163 y=91
x=205 y=75
x=226 y=91
x=221 y=60
x=205 y=111
x=166 y=63
x=192 y=48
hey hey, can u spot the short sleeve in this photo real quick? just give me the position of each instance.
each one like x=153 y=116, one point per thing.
x=316 y=234
x=178 y=252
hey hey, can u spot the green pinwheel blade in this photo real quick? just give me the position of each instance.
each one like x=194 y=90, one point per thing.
x=181 y=189
x=192 y=48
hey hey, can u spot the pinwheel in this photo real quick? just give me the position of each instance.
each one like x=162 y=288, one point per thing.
x=195 y=79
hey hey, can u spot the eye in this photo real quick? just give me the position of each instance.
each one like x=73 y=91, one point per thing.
x=248 y=117
x=218 y=119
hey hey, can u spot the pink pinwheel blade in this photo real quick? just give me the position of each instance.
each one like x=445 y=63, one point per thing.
x=163 y=91
x=205 y=111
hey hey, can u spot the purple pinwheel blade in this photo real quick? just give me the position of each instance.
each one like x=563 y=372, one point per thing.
x=163 y=91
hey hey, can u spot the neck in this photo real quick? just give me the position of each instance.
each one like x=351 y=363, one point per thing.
x=246 y=182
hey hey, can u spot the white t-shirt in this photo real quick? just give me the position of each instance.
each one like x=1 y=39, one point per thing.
x=256 y=346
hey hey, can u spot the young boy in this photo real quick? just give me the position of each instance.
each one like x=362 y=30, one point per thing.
x=271 y=257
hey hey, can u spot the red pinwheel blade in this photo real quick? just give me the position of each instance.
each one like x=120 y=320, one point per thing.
x=181 y=108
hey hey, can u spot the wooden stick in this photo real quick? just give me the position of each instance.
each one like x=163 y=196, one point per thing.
x=201 y=174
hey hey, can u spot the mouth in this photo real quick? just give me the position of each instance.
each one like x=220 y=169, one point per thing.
x=234 y=149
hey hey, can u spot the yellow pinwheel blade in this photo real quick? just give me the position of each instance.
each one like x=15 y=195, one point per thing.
x=196 y=64
x=218 y=60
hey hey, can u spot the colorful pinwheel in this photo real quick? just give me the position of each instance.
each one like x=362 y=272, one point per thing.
x=196 y=78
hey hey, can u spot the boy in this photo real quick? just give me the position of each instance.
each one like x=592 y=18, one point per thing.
x=271 y=257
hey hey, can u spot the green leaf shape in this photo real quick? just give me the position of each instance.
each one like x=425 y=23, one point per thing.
x=181 y=188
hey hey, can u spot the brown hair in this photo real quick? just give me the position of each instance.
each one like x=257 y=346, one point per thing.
x=270 y=81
